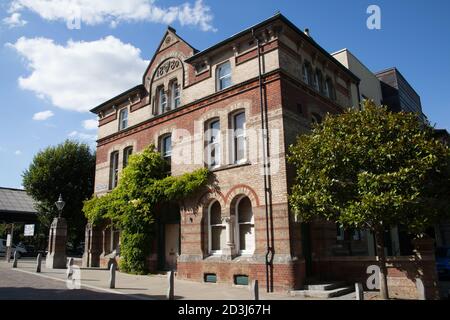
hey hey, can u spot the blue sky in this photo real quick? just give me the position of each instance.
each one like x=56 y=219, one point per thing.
x=51 y=74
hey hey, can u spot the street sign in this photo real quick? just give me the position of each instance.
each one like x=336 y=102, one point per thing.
x=29 y=230
x=8 y=240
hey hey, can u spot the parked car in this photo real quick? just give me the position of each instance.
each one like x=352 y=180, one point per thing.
x=443 y=261
x=21 y=250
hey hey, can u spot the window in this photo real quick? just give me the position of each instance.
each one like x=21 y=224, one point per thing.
x=162 y=100
x=328 y=89
x=127 y=152
x=175 y=95
x=224 y=76
x=339 y=233
x=114 y=170
x=123 y=119
x=213 y=144
x=318 y=81
x=315 y=118
x=166 y=147
x=245 y=226
x=307 y=73
x=217 y=234
x=239 y=147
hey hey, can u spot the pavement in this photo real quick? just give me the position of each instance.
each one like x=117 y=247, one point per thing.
x=24 y=283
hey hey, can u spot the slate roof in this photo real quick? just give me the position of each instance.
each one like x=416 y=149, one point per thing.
x=16 y=205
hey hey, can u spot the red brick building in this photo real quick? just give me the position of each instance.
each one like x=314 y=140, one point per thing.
x=208 y=108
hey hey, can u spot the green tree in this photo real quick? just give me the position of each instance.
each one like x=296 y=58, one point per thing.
x=67 y=169
x=371 y=169
x=143 y=185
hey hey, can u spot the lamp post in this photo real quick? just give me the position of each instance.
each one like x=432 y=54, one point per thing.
x=60 y=205
x=56 y=257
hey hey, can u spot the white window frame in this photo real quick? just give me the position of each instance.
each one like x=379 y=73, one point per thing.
x=127 y=152
x=176 y=95
x=114 y=169
x=164 y=153
x=216 y=143
x=210 y=227
x=238 y=227
x=220 y=78
x=123 y=120
x=162 y=96
x=239 y=135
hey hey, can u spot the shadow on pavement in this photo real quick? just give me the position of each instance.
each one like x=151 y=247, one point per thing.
x=27 y=293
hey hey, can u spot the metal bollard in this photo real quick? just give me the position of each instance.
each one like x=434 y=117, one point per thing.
x=359 y=290
x=112 y=276
x=170 y=289
x=38 y=263
x=15 y=260
x=255 y=290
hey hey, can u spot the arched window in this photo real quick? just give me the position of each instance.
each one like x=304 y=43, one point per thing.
x=216 y=229
x=213 y=144
x=239 y=145
x=175 y=91
x=318 y=81
x=113 y=170
x=162 y=100
x=223 y=76
x=166 y=149
x=316 y=118
x=245 y=226
x=127 y=152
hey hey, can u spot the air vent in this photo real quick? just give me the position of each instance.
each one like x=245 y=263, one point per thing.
x=241 y=280
x=210 y=277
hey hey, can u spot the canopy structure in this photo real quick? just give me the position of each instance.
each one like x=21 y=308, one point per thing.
x=16 y=206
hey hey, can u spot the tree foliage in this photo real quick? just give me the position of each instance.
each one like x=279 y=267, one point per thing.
x=131 y=205
x=371 y=169
x=67 y=169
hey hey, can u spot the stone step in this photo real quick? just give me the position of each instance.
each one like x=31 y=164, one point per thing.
x=322 y=294
x=325 y=285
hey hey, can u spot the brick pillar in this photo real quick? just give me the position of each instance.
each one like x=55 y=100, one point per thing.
x=56 y=257
x=426 y=266
x=92 y=247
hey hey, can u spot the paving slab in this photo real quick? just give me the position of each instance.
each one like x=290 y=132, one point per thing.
x=146 y=287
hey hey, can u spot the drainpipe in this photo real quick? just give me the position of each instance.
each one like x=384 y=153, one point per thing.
x=359 y=97
x=267 y=183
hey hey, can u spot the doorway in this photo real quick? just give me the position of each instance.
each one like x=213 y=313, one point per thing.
x=169 y=236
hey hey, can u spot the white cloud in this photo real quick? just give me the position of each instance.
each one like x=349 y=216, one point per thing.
x=83 y=136
x=90 y=124
x=15 y=20
x=94 y=12
x=79 y=75
x=44 y=115
x=18 y=152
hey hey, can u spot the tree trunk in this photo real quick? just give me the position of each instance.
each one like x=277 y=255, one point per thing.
x=379 y=238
